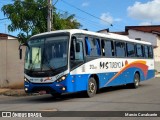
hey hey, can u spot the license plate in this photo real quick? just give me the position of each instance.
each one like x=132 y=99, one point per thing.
x=42 y=92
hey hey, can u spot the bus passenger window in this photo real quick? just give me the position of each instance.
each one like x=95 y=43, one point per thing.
x=120 y=49
x=102 y=48
x=88 y=46
x=146 y=51
x=108 y=48
x=130 y=50
x=139 y=50
x=92 y=46
x=150 y=52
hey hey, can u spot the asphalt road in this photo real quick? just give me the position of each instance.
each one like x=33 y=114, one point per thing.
x=122 y=98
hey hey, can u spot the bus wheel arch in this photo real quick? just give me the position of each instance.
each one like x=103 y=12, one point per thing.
x=92 y=85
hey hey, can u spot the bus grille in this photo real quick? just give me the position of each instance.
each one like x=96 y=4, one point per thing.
x=48 y=89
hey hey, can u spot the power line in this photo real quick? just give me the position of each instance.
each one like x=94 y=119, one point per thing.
x=3 y=18
x=82 y=18
x=86 y=12
x=3 y=21
x=55 y=3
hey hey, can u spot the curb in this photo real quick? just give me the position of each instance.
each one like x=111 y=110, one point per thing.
x=14 y=92
x=2 y=90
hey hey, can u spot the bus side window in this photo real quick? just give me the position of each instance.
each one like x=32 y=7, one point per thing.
x=107 y=48
x=88 y=46
x=130 y=50
x=150 y=52
x=146 y=51
x=72 y=55
x=76 y=57
x=139 y=50
x=102 y=47
x=79 y=54
x=92 y=46
x=120 y=49
x=98 y=47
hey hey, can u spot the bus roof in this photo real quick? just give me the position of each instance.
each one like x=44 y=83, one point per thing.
x=102 y=35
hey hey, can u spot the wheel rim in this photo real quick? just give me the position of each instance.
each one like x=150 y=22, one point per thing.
x=137 y=81
x=92 y=87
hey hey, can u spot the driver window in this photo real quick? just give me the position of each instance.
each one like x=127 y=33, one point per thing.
x=76 y=57
x=79 y=54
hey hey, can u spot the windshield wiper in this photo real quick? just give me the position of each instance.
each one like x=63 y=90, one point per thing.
x=47 y=63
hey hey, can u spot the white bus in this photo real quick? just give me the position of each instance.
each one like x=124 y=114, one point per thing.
x=67 y=61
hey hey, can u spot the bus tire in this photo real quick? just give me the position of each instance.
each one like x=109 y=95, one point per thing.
x=92 y=87
x=136 y=82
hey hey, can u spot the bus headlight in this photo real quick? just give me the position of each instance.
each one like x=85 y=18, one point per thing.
x=26 y=89
x=61 y=79
x=26 y=80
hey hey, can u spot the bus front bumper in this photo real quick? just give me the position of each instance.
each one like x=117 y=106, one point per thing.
x=47 y=88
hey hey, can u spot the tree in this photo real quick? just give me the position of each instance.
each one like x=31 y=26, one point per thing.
x=65 y=21
x=30 y=17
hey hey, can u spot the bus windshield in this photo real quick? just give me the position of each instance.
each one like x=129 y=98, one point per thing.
x=43 y=54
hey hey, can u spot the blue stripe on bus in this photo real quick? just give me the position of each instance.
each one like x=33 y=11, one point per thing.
x=79 y=82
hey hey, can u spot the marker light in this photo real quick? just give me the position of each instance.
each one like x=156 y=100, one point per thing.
x=63 y=88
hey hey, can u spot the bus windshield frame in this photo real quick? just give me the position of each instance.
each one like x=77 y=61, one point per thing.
x=47 y=53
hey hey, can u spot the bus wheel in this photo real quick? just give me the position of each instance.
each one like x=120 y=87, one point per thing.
x=136 y=81
x=92 y=87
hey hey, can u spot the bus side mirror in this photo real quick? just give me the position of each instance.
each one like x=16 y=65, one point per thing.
x=77 y=47
x=20 y=50
x=20 y=54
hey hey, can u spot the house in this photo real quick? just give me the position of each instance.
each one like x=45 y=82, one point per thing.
x=11 y=68
x=145 y=33
x=105 y=31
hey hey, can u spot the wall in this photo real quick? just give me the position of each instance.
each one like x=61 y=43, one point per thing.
x=157 y=55
x=3 y=63
x=11 y=68
x=148 y=37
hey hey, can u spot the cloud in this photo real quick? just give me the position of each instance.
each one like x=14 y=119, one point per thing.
x=117 y=19
x=85 y=4
x=145 y=23
x=107 y=19
x=145 y=11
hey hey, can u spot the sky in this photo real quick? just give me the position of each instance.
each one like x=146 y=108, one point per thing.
x=112 y=14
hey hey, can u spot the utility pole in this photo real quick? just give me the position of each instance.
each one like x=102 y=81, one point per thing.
x=49 y=18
